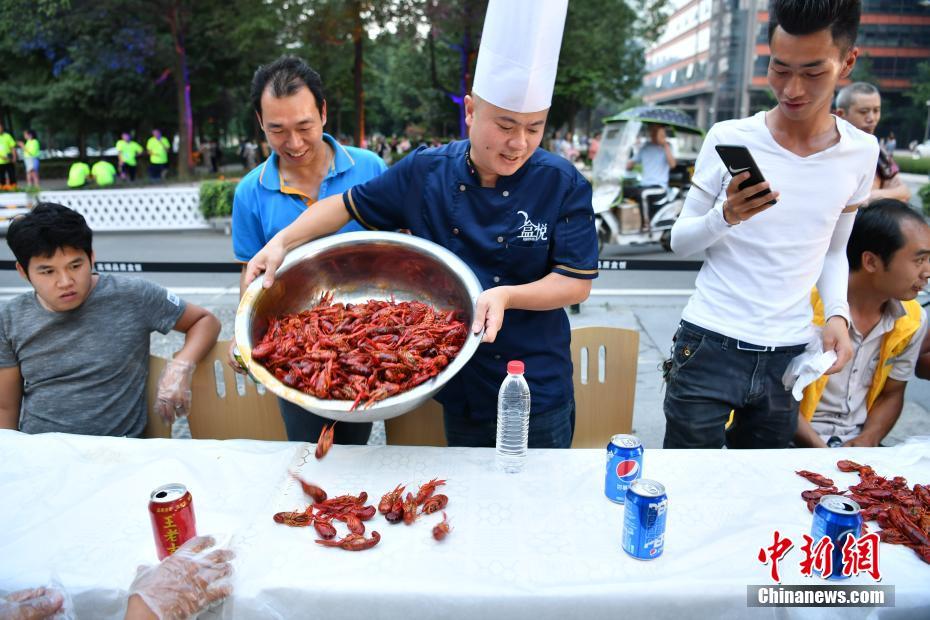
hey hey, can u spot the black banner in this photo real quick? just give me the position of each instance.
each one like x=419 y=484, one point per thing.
x=151 y=267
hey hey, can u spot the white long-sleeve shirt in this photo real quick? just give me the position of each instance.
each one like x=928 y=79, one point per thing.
x=757 y=276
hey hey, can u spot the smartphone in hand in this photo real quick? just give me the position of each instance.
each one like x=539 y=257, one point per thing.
x=738 y=159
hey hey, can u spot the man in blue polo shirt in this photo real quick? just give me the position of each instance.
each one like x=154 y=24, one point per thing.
x=519 y=216
x=305 y=166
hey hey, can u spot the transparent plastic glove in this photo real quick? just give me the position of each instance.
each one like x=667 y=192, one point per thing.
x=186 y=582
x=808 y=366
x=32 y=604
x=173 y=400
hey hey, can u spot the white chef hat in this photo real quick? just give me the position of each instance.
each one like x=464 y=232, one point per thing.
x=519 y=53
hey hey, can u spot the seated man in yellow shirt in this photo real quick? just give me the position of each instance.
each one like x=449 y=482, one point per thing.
x=104 y=173
x=889 y=261
x=77 y=174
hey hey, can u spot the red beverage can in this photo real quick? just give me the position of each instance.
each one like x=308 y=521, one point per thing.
x=171 y=508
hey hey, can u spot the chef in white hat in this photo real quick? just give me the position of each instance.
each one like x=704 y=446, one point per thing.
x=519 y=216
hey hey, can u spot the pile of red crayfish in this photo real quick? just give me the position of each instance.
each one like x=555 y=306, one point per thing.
x=902 y=512
x=351 y=510
x=363 y=353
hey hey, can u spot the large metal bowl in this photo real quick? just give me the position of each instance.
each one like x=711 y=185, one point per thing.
x=357 y=267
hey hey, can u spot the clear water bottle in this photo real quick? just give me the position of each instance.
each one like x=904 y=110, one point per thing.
x=513 y=419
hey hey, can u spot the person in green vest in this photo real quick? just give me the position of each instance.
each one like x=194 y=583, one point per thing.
x=77 y=174
x=157 y=148
x=7 y=158
x=31 y=157
x=104 y=173
x=889 y=261
x=128 y=149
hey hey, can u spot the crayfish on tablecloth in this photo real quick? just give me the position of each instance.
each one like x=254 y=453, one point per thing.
x=902 y=512
x=363 y=353
x=350 y=509
x=396 y=507
x=442 y=529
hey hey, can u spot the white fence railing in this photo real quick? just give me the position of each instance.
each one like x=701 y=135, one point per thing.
x=151 y=208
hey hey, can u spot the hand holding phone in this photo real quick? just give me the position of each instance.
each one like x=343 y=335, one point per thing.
x=748 y=193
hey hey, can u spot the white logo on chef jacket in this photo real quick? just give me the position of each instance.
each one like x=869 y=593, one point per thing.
x=530 y=231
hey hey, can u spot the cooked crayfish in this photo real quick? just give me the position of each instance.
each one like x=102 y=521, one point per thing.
x=435 y=504
x=363 y=353
x=325 y=442
x=442 y=529
x=353 y=542
x=410 y=509
x=426 y=491
x=389 y=498
x=315 y=492
x=817 y=479
x=902 y=512
x=294 y=519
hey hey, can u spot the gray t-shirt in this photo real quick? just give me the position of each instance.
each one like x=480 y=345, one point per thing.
x=655 y=164
x=84 y=370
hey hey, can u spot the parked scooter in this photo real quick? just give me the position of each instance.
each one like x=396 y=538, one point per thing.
x=620 y=220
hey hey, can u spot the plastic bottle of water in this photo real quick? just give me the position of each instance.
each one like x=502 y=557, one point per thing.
x=513 y=419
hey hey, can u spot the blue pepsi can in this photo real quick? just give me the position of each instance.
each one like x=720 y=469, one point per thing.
x=836 y=517
x=624 y=465
x=644 y=519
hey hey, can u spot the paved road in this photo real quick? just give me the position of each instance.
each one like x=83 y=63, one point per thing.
x=202 y=246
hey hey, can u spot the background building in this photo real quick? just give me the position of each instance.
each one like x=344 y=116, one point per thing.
x=713 y=56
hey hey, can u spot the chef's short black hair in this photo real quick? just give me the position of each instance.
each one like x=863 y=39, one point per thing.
x=46 y=229
x=286 y=76
x=878 y=230
x=800 y=17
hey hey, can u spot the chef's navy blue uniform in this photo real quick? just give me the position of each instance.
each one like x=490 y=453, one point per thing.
x=536 y=221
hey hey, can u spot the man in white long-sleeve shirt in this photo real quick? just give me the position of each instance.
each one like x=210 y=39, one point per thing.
x=751 y=313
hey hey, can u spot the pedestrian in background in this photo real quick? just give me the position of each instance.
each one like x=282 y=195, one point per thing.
x=861 y=104
x=7 y=159
x=31 y=149
x=157 y=148
x=127 y=151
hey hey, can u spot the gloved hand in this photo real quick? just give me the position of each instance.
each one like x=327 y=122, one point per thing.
x=31 y=604
x=173 y=400
x=186 y=582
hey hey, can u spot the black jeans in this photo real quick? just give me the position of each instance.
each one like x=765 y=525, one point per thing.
x=710 y=376
x=548 y=429
x=7 y=174
x=301 y=425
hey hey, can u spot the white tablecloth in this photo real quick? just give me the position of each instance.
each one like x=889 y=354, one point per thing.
x=542 y=544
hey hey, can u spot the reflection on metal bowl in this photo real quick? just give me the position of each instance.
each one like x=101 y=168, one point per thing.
x=357 y=267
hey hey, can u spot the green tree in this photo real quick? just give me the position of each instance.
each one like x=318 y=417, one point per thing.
x=920 y=93
x=602 y=56
x=74 y=65
x=456 y=26
x=863 y=71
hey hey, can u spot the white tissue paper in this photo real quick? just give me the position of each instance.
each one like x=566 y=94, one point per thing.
x=808 y=366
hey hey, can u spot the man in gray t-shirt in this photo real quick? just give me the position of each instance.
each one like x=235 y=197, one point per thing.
x=656 y=159
x=74 y=353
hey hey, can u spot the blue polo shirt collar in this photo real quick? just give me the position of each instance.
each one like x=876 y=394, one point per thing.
x=466 y=172
x=270 y=176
